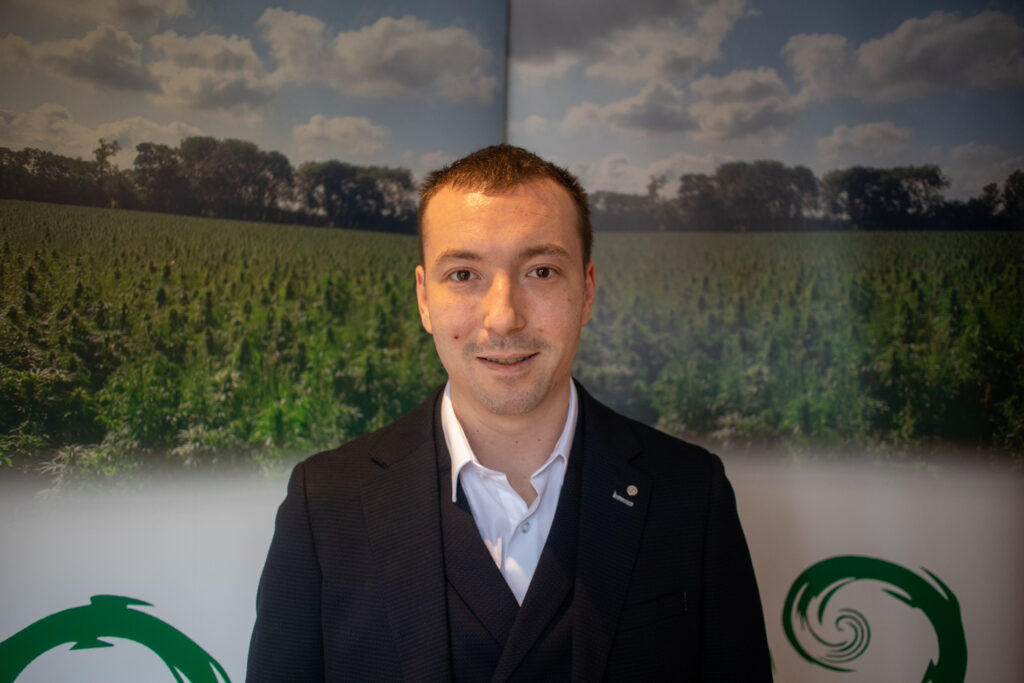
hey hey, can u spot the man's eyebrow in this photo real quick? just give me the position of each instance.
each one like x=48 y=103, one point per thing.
x=549 y=249
x=458 y=255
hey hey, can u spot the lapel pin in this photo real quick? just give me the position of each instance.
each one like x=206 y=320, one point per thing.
x=622 y=499
x=632 y=490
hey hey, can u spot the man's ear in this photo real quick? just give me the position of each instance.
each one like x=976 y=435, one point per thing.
x=421 y=298
x=589 y=289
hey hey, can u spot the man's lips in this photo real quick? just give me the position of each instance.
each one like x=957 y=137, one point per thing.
x=507 y=359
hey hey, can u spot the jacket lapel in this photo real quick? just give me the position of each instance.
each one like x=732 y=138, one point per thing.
x=470 y=570
x=553 y=579
x=613 y=508
x=402 y=509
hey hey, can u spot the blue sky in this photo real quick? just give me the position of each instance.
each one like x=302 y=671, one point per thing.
x=397 y=83
x=657 y=87
x=617 y=91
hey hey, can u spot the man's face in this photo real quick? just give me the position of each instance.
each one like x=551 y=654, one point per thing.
x=504 y=291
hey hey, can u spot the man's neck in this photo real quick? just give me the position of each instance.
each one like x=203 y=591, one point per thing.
x=516 y=445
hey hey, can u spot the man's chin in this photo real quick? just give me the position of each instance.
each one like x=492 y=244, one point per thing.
x=510 y=403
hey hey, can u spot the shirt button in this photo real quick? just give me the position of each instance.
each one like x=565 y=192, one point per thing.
x=524 y=527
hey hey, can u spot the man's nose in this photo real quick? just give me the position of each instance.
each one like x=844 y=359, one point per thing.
x=503 y=313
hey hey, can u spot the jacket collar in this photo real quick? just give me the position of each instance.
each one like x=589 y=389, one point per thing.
x=402 y=508
x=613 y=509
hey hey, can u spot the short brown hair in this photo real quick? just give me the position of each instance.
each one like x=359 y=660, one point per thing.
x=499 y=168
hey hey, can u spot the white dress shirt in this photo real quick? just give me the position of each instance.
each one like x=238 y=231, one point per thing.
x=513 y=532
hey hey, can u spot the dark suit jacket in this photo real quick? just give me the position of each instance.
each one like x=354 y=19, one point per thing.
x=354 y=586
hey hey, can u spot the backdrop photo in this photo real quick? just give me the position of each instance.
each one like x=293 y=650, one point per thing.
x=809 y=253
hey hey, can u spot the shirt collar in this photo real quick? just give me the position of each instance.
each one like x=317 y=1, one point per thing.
x=461 y=453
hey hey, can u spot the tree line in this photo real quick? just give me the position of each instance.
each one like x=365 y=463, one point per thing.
x=204 y=176
x=766 y=195
x=235 y=179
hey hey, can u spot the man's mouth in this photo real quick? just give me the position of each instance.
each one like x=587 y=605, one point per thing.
x=511 y=360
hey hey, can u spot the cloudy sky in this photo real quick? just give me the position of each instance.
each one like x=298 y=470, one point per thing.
x=670 y=86
x=398 y=83
x=619 y=91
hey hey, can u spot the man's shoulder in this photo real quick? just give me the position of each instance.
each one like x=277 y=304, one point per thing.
x=352 y=462
x=655 y=449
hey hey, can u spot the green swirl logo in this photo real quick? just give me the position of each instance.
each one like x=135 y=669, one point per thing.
x=822 y=581
x=110 y=616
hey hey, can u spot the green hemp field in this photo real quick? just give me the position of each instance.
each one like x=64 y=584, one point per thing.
x=131 y=340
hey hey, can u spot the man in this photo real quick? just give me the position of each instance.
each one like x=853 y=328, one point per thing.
x=511 y=527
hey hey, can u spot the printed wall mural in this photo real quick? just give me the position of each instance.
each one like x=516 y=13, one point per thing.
x=809 y=255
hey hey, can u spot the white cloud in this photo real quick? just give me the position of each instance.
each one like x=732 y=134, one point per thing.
x=676 y=165
x=615 y=172
x=657 y=50
x=749 y=105
x=104 y=57
x=344 y=135
x=211 y=72
x=531 y=125
x=539 y=73
x=140 y=15
x=717 y=18
x=48 y=126
x=16 y=52
x=299 y=43
x=635 y=41
x=824 y=64
x=224 y=74
x=390 y=57
x=583 y=116
x=919 y=57
x=432 y=161
x=53 y=128
x=612 y=172
x=877 y=141
x=207 y=72
x=648 y=52
x=657 y=108
x=972 y=166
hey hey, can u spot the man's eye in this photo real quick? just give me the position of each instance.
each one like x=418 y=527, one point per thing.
x=461 y=276
x=543 y=272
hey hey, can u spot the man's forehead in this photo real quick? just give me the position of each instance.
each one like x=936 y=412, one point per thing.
x=476 y=219
x=544 y=190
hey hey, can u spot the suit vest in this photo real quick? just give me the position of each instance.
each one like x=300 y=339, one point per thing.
x=492 y=637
